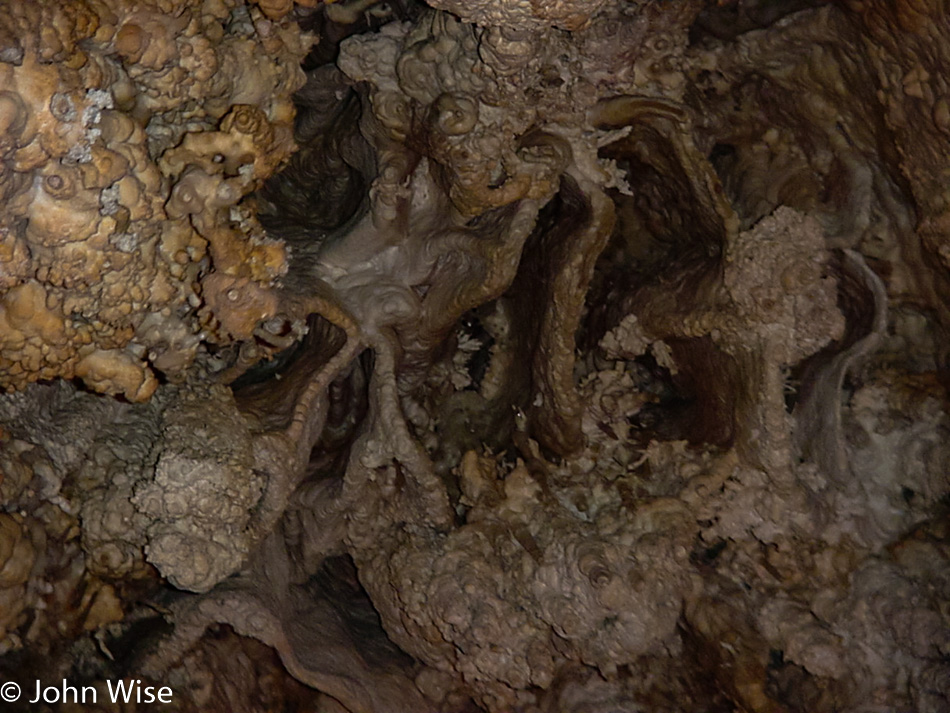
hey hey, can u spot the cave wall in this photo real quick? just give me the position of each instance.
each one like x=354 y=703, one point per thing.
x=504 y=356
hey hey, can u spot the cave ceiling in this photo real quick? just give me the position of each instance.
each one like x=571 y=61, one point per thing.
x=480 y=355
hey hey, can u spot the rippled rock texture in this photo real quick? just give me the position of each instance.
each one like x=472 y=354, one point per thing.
x=569 y=355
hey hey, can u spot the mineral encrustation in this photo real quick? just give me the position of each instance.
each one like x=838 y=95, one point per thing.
x=504 y=356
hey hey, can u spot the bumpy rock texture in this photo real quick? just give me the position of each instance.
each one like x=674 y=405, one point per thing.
x=523 y=356
x=130 y=134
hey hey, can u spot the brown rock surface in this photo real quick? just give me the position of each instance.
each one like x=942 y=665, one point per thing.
x=516 y=356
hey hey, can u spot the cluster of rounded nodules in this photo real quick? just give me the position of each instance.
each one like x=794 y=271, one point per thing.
x=129 y=134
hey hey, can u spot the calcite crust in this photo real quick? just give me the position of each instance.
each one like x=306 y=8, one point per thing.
x=588 y=355
x=127 y=133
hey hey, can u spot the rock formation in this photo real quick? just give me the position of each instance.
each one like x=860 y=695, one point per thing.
x=572 y=355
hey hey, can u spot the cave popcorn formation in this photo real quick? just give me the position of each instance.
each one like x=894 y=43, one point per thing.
x=503 y=356
x=130 y=134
